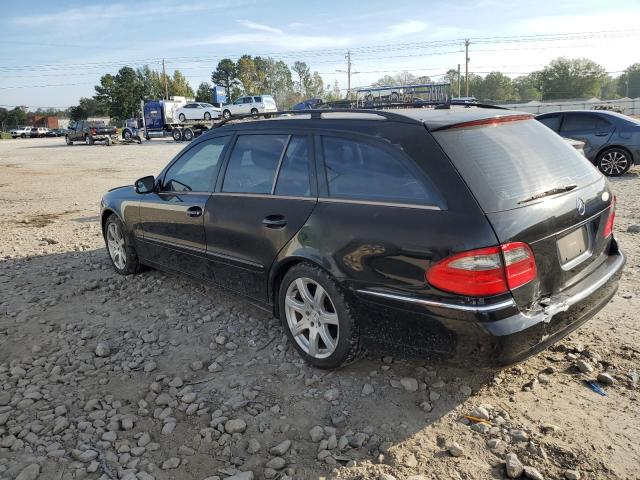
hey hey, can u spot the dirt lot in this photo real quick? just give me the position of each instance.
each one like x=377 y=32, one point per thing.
x=154 y=376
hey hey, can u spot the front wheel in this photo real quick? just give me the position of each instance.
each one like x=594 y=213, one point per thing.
x=207 y=116
x=226 y=114
x=254 y=112
x=88 y=139
x=126 y=135
x=181 y=117
x=614 y=162
x=317 y=318
x=68 y=140
x=107 y=141
x=122 y=255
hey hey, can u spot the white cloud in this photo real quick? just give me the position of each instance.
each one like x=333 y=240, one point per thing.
x=405 y=28
x=259 y=26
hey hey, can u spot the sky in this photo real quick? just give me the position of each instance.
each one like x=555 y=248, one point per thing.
x=53 y=53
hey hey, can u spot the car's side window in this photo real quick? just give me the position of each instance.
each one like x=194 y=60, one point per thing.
x=195 y=171
x=253 y=163
x=360 y=170
x=552 y=122
x=575 y=122
x=294 y=177
x=248 y=100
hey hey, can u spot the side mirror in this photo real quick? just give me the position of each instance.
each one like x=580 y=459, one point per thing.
x=145 y=184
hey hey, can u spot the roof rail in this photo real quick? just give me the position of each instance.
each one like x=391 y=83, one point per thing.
x=316 y=114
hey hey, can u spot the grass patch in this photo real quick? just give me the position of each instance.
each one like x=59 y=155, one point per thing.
x=5 y=136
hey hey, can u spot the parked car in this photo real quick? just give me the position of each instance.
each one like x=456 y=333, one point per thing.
x=197 y=111
x=60 y=132
x=20 y=132
x=577 y=144
x=252 y=105
x=38 y=132
x=612 y=140
x=90 y=131
x=470 y=233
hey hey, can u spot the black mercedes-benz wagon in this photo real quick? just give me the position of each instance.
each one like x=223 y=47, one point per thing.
x=466 y=233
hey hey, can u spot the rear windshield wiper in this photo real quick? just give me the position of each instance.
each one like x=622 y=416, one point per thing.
x=546 y=193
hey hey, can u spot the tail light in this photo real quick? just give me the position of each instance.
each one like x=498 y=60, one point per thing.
x=485 y=271
x=608 y=227
x=93 y=131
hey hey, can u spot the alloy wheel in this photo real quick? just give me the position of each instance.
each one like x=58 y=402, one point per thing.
x=614 y=163
x=312 y=318
x=115 y=243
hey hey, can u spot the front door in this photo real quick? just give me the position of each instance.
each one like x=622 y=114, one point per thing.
x=267 y=194
x=172 y=217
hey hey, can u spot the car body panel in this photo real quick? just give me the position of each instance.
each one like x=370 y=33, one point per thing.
x=197 y=111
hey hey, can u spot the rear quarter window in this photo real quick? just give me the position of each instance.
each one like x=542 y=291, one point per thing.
x=506 y=163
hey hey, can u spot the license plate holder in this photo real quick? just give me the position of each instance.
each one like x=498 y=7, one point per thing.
x=573 y=246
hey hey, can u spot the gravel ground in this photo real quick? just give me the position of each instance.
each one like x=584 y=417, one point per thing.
x=155 y=376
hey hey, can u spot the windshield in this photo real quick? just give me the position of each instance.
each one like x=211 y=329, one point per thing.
x=507 y=163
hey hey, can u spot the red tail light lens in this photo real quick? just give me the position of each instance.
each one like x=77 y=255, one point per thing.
x=93 y=131
x=485 y=271
x=608 y=227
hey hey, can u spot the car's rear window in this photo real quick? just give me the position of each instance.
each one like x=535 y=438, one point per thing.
x=509 y=162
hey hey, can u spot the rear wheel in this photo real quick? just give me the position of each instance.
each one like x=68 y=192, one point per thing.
x=226 y=114
x=207 y=116
x=88 y=139
x=68 y=140
x=107 y=141
x=254 y=112
x=122 y=255
x=614 y=162
x=181 y=117
x=187 y=135
x=177 y=135
x=317 y=318
x=126 y=135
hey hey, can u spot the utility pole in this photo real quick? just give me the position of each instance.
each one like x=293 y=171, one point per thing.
x=466 y=67
x=164 y=76
x=348 y=72
x=458 y=80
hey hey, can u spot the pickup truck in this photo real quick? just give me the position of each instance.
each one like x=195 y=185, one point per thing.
x=90 y=131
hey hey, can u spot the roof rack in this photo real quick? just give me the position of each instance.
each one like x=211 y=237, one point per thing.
x=316 y=114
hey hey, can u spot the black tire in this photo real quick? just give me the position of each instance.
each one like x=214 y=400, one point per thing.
x=226 y=114
x=207 y=116
x=614 y=162
x=88 y=139
x=132 y=265
x=181 y=117
x=68 y=140
x=254 y=112
x=177 y=135
x=187 y=134
x=348 y=345
x=126 y=135
x=23 y=136
x=107 y=141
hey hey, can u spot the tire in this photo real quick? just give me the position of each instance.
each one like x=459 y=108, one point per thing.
x=188 y=135
x=126 y=135
x=123 y=258
x=614 y=162
x=207 y=116
x=226 y=114
x=107 y=141
x=88 y=139
x=177 y=135
x=23 y=136
x=341 y=327
x=394 y=97
x=68 y=140
x=254 y=112
x=181 y=117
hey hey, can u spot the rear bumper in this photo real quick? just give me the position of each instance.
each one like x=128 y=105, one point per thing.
x=491 y=335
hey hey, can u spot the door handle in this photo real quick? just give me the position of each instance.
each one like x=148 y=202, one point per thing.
x=194 y=211
x=274 y=221
x=602 y=134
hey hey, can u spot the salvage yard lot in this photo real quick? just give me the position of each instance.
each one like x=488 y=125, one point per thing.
x=156 y=376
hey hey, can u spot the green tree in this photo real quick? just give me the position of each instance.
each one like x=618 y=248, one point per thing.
x=304 y=76
x=609 y=88
x=263 y=67
x=571 y=78
x=87 y=107
x=120 y=95
x=629 y=82
x=280 y=83
x=527 y=87
x=315 y=86
x=334 y=94
x=14 y=118
x=179 y=86
x=226 y=75
x=203 y=94
x=152 y=82
x=496 y=87
x=247 y=74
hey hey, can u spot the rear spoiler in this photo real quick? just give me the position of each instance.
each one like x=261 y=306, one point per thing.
x=485 y=121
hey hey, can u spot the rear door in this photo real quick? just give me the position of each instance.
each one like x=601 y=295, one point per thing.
x=172 y=217
x=264 y=197
x=509 y=166
x=589 y=128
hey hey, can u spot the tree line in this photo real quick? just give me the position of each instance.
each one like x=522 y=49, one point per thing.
x=118 y=96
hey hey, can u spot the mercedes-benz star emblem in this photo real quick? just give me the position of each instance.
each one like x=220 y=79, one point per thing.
x=580 y=206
